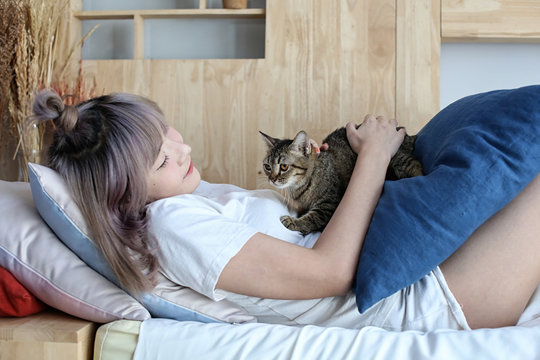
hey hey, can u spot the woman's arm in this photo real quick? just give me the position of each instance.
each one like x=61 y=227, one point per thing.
x=271 y=268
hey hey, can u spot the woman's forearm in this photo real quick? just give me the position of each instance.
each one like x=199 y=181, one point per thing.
x=342 y=239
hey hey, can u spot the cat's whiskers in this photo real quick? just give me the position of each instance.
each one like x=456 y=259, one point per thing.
x=261 y=182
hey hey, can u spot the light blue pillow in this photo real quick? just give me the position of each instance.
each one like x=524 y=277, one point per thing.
x=478 y=154
x=168 y=300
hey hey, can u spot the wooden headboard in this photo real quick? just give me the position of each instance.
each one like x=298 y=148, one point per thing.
x=326 y=63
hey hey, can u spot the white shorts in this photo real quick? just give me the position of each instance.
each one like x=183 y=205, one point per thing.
x=426 y=305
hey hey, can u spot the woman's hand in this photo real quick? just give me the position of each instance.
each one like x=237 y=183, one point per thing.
x=377 y=135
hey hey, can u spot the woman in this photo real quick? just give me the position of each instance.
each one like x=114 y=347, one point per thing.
x=149 y=211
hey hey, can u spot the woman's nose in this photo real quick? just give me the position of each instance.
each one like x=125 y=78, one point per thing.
x=183 y=151
x=187 y=148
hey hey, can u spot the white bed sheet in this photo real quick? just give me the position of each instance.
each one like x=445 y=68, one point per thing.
x=169 y=339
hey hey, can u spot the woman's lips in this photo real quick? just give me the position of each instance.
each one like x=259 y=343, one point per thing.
x=190 y=170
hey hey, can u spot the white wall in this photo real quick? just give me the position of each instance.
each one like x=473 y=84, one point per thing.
x=469 y=68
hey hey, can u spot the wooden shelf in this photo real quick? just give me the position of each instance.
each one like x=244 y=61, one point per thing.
x=139 y=17
x=168 y=13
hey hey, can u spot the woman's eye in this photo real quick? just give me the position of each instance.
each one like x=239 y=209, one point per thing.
x=284 y=167
x=267 y=167
x=165 y=160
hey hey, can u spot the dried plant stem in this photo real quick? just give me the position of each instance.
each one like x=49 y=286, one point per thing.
x=72 y=52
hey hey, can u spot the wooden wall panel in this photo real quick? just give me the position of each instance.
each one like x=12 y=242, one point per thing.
x=326 y=63
x=491 y=20
x=418 y=52
x=227 y=124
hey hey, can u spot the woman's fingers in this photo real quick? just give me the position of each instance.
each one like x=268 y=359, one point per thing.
x=377 y=133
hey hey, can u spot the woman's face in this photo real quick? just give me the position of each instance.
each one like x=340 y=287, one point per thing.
x=173 y=172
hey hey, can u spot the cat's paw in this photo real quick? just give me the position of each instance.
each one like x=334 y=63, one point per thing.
x=295 y=225
x=289 y=222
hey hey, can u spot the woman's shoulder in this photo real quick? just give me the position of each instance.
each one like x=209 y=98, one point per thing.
x=227 y=192
x=207 y=189
x=217 y=200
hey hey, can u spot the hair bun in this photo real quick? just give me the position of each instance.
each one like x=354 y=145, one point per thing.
x=68 y=118
x=48 y=105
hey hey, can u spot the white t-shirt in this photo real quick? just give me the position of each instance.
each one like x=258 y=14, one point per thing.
x=199 y=233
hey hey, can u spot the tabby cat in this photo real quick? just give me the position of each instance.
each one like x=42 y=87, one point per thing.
x=315 y=183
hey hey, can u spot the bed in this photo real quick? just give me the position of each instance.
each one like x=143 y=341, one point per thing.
x=172 y=321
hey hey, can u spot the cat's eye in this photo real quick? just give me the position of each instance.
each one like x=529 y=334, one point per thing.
x=267 y=167
x=284 y=167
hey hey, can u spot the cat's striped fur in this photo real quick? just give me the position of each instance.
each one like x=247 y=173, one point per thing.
x=315 y=183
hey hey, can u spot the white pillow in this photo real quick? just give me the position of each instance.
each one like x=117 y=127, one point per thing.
x=47 y=268
x=167 y=300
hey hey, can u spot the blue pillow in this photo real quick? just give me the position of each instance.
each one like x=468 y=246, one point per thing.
x=478 y=154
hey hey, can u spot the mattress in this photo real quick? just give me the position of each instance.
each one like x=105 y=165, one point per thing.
x=117 y=340
x=170 y=339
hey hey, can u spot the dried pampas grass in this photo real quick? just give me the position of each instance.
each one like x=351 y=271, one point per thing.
x=32 y=69
x=32 y=57
x=26 y=61
x=12 y=22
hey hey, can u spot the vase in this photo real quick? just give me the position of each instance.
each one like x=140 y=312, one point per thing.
x=234 y=4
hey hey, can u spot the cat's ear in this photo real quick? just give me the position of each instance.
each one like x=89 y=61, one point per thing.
x=301 y=143
x=270 y=141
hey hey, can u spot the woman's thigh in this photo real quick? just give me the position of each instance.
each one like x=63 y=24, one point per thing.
x=495 y=272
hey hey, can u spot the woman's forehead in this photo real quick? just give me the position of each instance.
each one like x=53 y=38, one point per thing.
x=174 y=135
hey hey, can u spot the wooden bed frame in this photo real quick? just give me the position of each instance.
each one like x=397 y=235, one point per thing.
x=49 y=335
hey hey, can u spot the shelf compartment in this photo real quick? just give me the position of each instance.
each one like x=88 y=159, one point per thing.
x=168 y=14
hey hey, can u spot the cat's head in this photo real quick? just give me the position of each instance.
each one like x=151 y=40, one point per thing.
x=288 y=162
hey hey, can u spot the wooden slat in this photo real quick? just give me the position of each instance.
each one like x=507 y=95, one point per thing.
x=138 y=37
x=418 y=62
x=167 y=13
x=491 y=20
